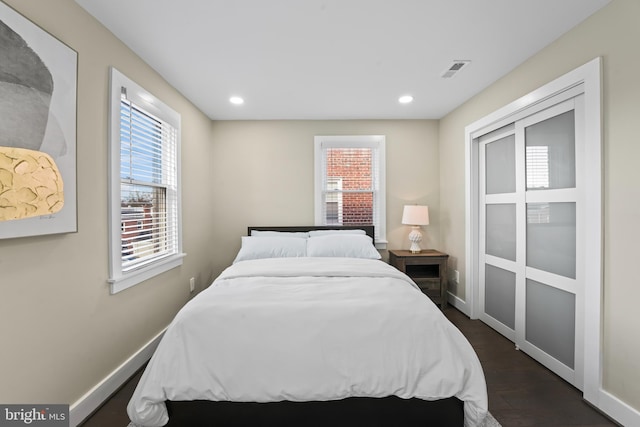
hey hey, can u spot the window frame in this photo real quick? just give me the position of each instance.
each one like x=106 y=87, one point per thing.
x=119 y=279
x=376 y=142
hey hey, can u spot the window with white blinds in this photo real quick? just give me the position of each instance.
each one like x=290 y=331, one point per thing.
x=350 y=182
x=145 y=226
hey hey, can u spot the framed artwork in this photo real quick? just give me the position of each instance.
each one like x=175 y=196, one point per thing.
x=38 y=84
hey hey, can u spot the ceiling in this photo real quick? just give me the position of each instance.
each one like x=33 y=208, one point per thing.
x=334 y=59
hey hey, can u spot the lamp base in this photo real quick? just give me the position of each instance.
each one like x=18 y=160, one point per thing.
x=415 y=237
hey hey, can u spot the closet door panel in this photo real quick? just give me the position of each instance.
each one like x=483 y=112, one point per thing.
x=500 y=295
x=551 y=237
x=501 y=230
x=501 y=166
x=550 y=153
x=550 y=321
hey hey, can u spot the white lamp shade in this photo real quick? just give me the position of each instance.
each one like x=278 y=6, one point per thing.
x=415 y=215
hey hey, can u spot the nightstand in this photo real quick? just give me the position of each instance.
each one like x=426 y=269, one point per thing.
x=427 y=268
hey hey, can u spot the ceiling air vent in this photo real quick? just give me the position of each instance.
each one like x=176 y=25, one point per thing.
x=454 y=68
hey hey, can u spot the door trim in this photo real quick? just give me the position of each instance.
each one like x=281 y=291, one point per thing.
x=587 y=80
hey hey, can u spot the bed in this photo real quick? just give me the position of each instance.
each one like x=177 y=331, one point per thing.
x=308 y=327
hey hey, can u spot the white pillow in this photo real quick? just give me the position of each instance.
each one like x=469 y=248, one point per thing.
x=297 y=234
x=270 y=247
x=314 y=233
x=342 y=245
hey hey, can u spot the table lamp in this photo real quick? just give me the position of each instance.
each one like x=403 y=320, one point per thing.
x=415 y=216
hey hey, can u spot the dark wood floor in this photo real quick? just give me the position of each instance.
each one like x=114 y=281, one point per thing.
x=521 y=391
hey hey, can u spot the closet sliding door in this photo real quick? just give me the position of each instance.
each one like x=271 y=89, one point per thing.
x=530 y=216
x=499 y=238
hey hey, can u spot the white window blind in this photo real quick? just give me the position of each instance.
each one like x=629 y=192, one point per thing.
x=148 y=188
x=350 y=182
x=144 y=185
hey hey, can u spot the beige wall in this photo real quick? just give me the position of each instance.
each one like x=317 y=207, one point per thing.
x=61 y=331
x=263 y=175
x=613 y=34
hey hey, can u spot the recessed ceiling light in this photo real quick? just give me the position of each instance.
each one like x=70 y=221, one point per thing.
x=236 y=100
x=405 y=99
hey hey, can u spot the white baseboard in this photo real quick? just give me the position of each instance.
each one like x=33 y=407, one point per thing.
x=458 y=303
x=617 y=410
x=94 y=398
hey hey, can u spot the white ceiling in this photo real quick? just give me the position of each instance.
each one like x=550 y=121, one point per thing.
x=334 y=59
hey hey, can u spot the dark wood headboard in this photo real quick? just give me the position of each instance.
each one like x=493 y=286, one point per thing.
x=369 y=229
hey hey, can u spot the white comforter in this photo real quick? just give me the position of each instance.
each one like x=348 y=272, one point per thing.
x=304 y=329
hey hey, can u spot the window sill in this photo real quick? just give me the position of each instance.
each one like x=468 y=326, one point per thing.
x=132 y=278
x=381 y=244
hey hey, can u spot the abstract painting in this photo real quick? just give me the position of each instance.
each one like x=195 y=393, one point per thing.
x=38 y=81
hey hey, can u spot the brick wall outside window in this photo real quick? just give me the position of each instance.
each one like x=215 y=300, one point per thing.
x=353 y=167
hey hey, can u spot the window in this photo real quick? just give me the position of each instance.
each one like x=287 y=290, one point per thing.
x=144 y=192
x=350 y=182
